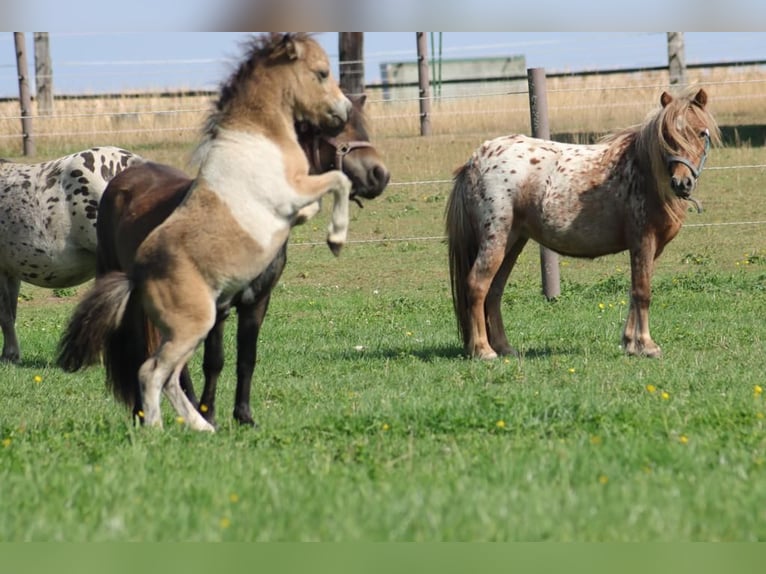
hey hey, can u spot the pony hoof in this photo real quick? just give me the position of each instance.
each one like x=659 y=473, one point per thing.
x=334 y=247
x=484 y=355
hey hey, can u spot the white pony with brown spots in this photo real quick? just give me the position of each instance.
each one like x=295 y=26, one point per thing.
x=253 y=180
x=48 y=225
x=627 y=192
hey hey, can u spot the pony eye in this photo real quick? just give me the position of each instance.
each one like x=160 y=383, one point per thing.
x=705 y=133
x=322 y=75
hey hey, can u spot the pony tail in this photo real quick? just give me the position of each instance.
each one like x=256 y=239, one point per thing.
x=94 y=319
x=462 y=243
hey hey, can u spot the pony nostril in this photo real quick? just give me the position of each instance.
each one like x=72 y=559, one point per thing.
x=380 y=176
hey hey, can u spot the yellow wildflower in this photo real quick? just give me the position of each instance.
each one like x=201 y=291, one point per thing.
x=38 y=379
x=385 y=427
x=6 y=442
x=180 y=420
x=651 y=388
x=665 y=395
x=603 y=479
x=500 y=424
x=203 y=408
x=225 y=522
x=233 y=498
x=683 y=439
x=757 y=390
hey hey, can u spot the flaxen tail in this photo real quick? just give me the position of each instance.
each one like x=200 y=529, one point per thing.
x=462 y=242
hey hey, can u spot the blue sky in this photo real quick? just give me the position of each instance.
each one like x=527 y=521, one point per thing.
x=97 y=62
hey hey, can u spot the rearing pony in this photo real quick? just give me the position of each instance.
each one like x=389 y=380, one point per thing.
x=626 y=193
x=141 y=198
x=252 y=181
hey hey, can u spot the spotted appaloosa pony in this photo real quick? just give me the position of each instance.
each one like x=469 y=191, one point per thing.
x=252 y=181
x=47 y=225
x=627 y=192
x=142 y=197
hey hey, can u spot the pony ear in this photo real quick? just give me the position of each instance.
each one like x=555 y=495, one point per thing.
x=665 y=99
x=293 y=49
x=701 y=98
x=357 y=99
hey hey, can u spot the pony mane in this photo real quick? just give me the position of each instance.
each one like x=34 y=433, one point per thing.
x=265 y=49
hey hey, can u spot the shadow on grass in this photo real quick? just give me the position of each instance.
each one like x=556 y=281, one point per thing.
x=33 y=362
x=430 y=353
x=425 y=354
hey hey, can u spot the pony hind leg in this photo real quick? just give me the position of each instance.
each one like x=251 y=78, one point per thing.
x=184 y=319
x=9 y=301
x=492 y=307
x=480 y=279
x=161 y=374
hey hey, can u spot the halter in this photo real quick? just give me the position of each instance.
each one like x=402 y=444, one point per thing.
x=696 y=171
x=342 y=149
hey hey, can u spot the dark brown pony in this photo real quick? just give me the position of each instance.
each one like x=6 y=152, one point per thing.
x=253 y=181
x=627 y=193
x=142 y=197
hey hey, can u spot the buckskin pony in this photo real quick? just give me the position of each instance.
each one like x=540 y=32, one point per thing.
x=142 y=197
x=252 y=181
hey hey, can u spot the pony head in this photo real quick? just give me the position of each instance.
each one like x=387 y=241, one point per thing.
x=686 y=132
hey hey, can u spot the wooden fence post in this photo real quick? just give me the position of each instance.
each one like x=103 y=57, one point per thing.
x=351 y=62
x=676 y=59
x=538 y=109
x=25 y=100
x=43 y=74
x=423 y=82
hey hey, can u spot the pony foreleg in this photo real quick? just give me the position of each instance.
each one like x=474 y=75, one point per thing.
x=313 y=187
x=636 y=339
x=338 y=228
x=9 y=300
x=306 y=213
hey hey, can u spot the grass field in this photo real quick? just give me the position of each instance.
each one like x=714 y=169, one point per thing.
x=374 y=427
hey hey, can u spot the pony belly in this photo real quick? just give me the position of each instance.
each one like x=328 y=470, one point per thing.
x=581 y=239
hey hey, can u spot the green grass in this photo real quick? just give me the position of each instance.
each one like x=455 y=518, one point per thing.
x=374 y=427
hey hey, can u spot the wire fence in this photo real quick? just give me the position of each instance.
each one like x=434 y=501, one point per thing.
x=594 y=103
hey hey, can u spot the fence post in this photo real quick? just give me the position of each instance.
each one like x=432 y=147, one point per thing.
x=43 y=74
x=538 y=109
x=351 y=62
x=425 y=96
x=25 y=100
x=676 y=59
